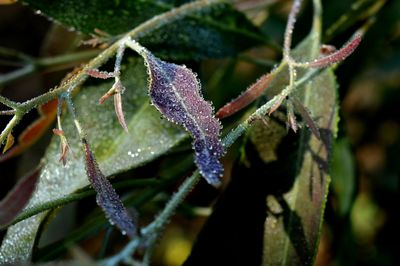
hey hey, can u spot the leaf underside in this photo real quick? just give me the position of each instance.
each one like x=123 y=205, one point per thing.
x=106 y=197
x=175 y=91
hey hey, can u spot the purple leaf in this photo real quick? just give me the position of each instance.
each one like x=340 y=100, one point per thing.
x=106 y=196
x=175 y=91
x=17 y=198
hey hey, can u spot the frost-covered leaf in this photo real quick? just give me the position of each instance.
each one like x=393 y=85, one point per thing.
x=106 y=196
x=17 y=198
x=217 y=31
x=175 y=92
x=116 y=151
x=339 y=55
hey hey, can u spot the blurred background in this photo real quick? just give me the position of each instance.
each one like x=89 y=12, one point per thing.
x=361 y=215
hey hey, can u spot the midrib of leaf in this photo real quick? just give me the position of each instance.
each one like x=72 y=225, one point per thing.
x=182 y=102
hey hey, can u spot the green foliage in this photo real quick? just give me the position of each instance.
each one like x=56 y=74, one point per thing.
x=116 y=151
x=215 y=31
x=274 y=192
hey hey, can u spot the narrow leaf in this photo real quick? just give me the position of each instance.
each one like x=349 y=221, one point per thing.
x=246 y=98
x=175 y=92
x=17 y=198
x=339 y=55
x=106 y=196
x=119 y=112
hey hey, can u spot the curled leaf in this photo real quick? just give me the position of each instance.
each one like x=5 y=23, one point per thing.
x=17 y=198
x=106 y=196
x=175 y=92
x=64 y=145
x=119 y=111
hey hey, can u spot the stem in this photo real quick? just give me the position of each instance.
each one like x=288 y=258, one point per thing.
x=137 y=183
x=145 y=28
x=32 y=65
x=7 y=112
x=11 y=124
x=151 y=232
x=8 y=102
x=17 y=74
x=67 y=58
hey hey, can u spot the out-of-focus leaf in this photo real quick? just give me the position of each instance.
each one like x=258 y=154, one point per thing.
x=17 y=198
x=295 y=209
x=343 y=176
x=350 y=15
x=175 y=91
x=216 y=31
x=116 y=151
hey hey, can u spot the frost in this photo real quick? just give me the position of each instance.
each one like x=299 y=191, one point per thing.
x=175 y=92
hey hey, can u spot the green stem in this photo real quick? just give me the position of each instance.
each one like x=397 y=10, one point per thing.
x=65 y=59
x=151 y=232
x=8 y=102
x=11 y=124
x=150 y=25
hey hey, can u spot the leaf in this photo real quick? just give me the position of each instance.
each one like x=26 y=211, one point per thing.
x=218 y=31
x=343 y=176
x=175 y=92
x=246 y=98
x=339 y=55
x=116 y=151
x=106 y=196
x=17 y=198
x=297 y=167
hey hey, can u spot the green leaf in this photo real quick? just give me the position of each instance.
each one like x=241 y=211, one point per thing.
x=297 y=167
x=216 y=31
x=343 y=176
x=116 y=151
